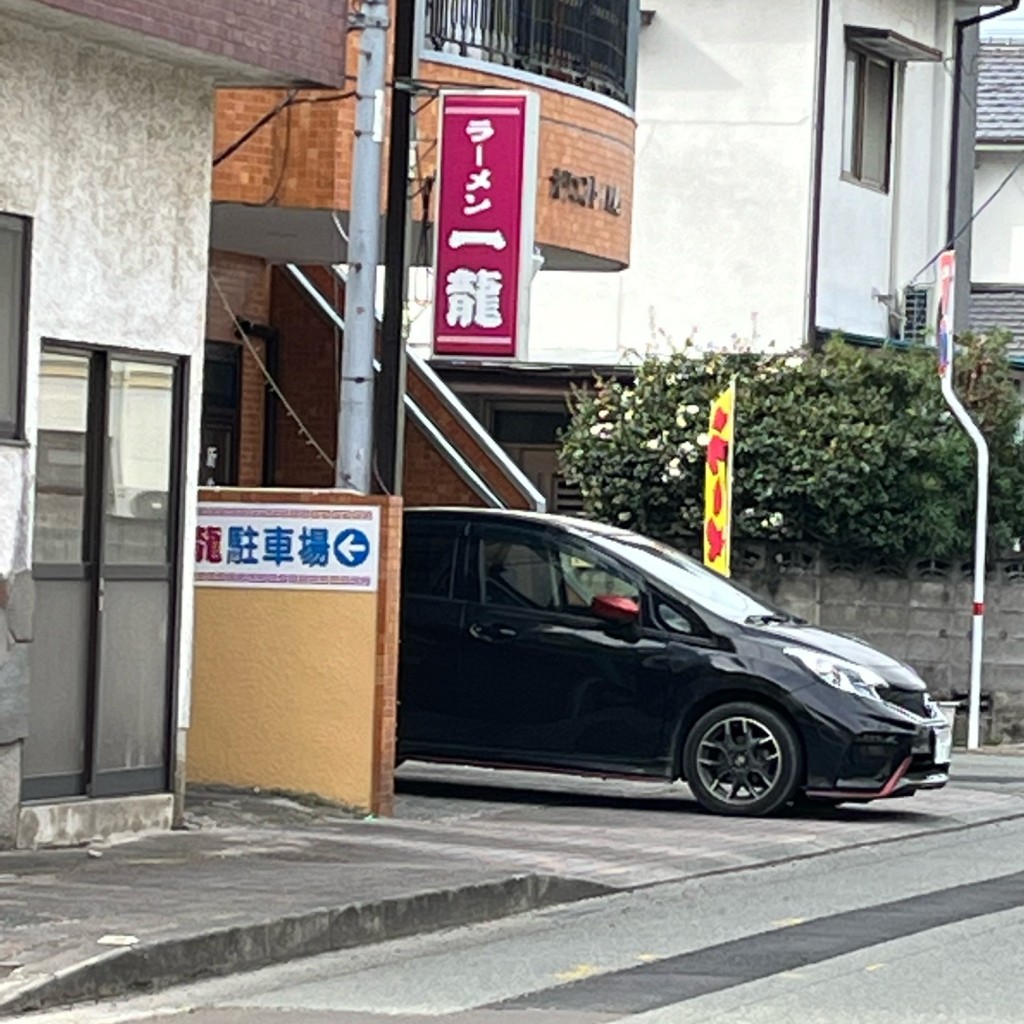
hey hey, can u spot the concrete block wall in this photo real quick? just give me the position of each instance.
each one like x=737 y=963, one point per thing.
x=919 y=614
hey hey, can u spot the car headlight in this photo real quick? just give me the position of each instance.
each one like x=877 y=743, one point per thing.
x=843 y=675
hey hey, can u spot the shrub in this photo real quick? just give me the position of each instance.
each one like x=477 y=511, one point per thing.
x=848 y=448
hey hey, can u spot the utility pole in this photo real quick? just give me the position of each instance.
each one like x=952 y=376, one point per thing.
x=391 y=390
x=354 y=464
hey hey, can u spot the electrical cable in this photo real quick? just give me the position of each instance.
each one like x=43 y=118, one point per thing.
x=247 y=341
x=291 y=100
x=284 y=157
x=974 y=216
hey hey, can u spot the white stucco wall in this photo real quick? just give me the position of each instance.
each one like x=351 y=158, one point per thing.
x=722 y=190
x=997 y=251
x=865 y=247
x=109 y=154
x=723 y=183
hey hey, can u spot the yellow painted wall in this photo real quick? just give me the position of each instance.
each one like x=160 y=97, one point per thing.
x=295 y=690
x=283 y=691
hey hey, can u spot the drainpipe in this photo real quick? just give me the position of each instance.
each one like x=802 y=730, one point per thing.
x=825 y=14
x=957 y=223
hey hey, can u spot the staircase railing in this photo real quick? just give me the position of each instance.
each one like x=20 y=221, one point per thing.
x=455 y=408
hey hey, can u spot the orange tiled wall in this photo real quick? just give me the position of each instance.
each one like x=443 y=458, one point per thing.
x=576 y=135
x=302 y=157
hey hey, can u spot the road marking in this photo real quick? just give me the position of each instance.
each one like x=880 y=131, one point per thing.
x=578 y=972
x=875 y=967
x=788 y=922
x=676 y=979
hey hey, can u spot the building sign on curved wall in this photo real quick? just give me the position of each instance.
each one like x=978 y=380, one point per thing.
x=486 y=194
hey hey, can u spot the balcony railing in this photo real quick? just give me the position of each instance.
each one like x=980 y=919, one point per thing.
x=589 y=43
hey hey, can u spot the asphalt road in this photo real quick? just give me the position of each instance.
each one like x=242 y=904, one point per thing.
x=925 y=928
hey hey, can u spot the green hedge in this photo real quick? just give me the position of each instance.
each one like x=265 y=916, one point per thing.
x=849 y=448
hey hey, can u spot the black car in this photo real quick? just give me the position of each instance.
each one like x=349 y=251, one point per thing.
x=539 y=641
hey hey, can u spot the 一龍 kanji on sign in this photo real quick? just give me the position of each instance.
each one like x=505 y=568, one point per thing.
x=474 y=298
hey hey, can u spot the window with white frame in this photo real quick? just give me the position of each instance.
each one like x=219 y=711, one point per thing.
x=867 y=119
x=14 y=234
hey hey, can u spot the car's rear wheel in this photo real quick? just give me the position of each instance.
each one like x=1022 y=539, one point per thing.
x=742 y=758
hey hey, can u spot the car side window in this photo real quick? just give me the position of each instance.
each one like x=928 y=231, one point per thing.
x=585 y=577
x=678 y=619
x=518 y=572
x=428 y=562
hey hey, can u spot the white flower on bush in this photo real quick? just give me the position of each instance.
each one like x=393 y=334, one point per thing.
x=792 y=362
x=673 y=472
x=624 y=517
x=702 y=440
x=602 y=414
x=628 y=416
x=687 y=448
x=601 y=430
x=654 y=444
x=680 y=420
x=692 y=410
x=775 y=520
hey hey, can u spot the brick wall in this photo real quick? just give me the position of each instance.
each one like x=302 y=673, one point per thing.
x=470 y=448
x=578 y=135
x=388 y=619
x=302 y=157
x=299 y=41
x=428 y=479
x=308 y=374
x=309 y=357
x=429 y=473
x=919 y=614
x=245 y=281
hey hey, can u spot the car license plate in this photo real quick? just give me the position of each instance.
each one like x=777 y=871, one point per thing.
x=943 y=744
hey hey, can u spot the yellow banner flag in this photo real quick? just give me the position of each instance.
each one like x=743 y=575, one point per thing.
x=718 y=482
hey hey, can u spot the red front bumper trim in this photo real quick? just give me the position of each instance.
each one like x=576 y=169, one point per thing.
x=866 y=794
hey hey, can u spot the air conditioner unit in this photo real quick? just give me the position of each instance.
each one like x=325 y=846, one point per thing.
x=915 y=314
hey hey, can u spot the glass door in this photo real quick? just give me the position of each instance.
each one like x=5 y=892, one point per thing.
x=105 y=553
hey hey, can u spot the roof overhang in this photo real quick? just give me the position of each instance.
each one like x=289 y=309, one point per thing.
x=891 y=45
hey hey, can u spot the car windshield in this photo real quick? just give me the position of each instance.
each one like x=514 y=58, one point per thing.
x=689 y=578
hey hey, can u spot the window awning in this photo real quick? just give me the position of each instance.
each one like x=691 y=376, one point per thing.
x=890 y=45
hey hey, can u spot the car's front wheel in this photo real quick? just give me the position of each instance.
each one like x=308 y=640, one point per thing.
x=742 y=759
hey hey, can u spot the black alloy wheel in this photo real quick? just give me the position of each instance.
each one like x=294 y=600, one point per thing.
x=742 y=759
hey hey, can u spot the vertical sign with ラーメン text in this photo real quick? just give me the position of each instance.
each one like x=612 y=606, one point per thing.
x=486 y=199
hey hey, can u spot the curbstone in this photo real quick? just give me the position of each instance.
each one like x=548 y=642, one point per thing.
x=165 y=962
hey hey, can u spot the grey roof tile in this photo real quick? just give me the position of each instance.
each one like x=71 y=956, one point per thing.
x=1001 y=307
x=1001 y=92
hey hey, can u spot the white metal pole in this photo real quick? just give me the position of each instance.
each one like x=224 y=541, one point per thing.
x=980 y=531
x=354 y=464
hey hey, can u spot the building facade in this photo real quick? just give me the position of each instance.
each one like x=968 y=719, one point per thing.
x=997 y=264
x=104 y=227
x=792 y=166
x=280 y=213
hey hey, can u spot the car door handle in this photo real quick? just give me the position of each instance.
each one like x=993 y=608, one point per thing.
x=492 y=634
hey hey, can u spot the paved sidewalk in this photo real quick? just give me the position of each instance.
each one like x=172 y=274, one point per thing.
x=258 y=879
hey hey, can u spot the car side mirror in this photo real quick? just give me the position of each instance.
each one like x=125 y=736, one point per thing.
x=614 y=609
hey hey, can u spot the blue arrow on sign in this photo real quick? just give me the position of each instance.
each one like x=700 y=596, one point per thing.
x=351 y=548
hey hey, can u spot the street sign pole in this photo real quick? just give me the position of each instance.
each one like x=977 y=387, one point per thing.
x=947 y=300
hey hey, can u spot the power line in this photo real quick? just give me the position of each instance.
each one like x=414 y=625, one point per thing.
x=974 y=216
